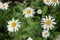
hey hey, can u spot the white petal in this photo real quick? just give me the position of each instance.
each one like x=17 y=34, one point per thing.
x=43 y=19
x=10 y=29
x=44 y=26
x=46 y=17
x=51 y=27
x=13 y=20
x=17 y=20
x=49 y=17
x=31 y=15
x=26 y=16
x=16 y=29
x=53 y=20
x=29 y=38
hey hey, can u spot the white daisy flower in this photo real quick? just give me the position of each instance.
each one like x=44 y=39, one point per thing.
x=55 y=2
x=47 y=2
x=4 y=6
x=13 y=25
x=48 y=22
x=29 y=38
x=39 y=11
x=45 y=34
x=28 y=12
x=1 y=5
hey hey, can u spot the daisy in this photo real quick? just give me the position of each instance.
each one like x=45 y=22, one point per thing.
x=48 y=22
x=45 y=34
x=47 y=2
x=55 y=2
x=28 y=12
x=39 y=11
x=4 y=6
x=13 y=25
x=1 y=5
x=29 y=38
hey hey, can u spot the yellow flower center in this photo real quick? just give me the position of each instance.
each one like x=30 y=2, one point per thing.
x=13 y=24
x=28 y=11
x=48 y=22
x=4 y=5
x=54 y=1
x=46 y=33
x=47 y=0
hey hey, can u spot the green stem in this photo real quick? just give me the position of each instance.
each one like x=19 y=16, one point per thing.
x=45 y=38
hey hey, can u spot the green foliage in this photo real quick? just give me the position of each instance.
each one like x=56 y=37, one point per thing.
x=30 y=27
x=44 y=11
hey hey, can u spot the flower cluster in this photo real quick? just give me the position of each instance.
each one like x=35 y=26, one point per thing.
x=47 y=22
x=29 y=12
x=51 y=2
x=4 y=6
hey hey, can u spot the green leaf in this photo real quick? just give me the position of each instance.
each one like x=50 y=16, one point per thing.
x=44 y=11
x=20 y=8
